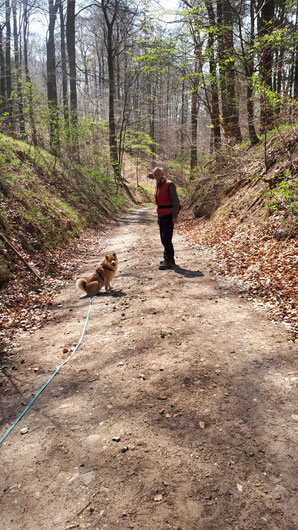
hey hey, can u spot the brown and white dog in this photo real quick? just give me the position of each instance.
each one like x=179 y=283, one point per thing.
x=101 y=277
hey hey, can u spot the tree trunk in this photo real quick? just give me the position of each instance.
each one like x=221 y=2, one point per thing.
x=118 y=70
x=51 y=81
x=63 y=67
x=194 y=134
x=85 y=69
x=71 y=49
x=112 y=126
x=8 y=88
x=265 y=28
x=152 y=113
x=249 y=70
x=250 y=113
x=29 y=90
x=296 y=63
x=215 y=119
x=226 y=51
x=110 y=21
x=18 y=74
x=222 y=72
x=2 y=75
x=183 y=117
x=100 y=79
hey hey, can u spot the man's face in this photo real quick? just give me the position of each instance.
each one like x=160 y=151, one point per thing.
x=158 y=175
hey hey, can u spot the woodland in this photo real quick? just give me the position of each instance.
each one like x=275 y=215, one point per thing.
x=195 y=81
x=179 y=411
x=93 y=95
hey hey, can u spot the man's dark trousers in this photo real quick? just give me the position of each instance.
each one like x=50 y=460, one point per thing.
x=166 y=233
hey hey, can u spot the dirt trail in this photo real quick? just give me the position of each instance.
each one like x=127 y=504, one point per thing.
x=197 y=385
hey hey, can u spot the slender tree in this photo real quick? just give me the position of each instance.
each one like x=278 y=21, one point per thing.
x=28 y=84
x=18 y=73
x=8 y=75
x=296 y=60
x=71 y=49
x=110 y=12
x=51 y=79
x=226 y=55
x=265 y=28
x=248 y=57
x=214 y=105
x=2 y=75
x=63 y=65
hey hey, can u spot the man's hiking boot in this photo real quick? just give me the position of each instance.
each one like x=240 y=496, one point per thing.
x=165 y=264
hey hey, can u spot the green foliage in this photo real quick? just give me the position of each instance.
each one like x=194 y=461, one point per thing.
x=283 y=199
x=178 y=163
x=43 y=202
x=94 y=139
x=274 y=99
x=274 y=134
x=138 y=141
x=105 y=190
x=179 y=167
x=157 y=53
x=279 y=37
x=148 y=191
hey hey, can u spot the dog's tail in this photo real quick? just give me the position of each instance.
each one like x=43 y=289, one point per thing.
x=81 y=284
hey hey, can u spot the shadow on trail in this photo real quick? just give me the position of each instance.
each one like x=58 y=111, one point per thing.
x=232 y=448
x=112 y=293
x=12 y=379
x=136 y=220
x=188 y=273
x=137 y=217
x=115 y=293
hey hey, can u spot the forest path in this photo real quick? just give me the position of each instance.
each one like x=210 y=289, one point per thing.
x=198 y=386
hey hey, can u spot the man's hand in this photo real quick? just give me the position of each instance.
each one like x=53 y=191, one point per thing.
x=175 y=221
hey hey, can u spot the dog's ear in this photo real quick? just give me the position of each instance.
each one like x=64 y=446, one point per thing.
x=106 y=257
x=114 y=254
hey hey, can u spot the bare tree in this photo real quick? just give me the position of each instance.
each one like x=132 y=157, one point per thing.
x=51 y=79
x=29 y=88
x=265 y=28
x=8 y=76
x=63 y=65
x=18 y=73
x=71 y=49
x=2 y=74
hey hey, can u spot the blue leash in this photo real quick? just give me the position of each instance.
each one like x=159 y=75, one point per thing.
x=50 y=379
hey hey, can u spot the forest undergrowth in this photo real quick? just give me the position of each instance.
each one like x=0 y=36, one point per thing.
x=26 y=302
x=248 y=219
x=264 y=269
x=45 y=206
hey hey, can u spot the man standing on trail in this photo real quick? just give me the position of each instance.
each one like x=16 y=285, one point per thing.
x=168 y=206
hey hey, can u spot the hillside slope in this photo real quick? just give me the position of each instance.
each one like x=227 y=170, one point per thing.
x=247 y=214
x=44 y=203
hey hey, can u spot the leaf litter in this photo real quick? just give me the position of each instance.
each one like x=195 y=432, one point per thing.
x=26 y=304
x=265 y=268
